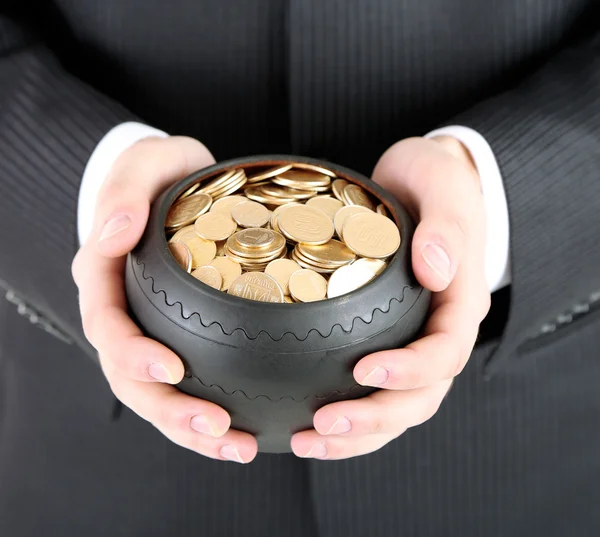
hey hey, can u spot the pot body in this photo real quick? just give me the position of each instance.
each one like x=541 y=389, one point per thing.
x=271 y=366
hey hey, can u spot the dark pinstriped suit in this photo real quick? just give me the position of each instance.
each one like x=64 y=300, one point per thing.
x=515 y=449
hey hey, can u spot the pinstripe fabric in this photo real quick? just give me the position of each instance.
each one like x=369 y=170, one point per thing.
x=66 y=469
x=511 y=453
x=533 y=131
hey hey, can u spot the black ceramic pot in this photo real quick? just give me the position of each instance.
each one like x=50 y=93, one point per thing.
x=271 y=366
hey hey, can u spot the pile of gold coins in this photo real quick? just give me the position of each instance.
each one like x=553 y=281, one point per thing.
x=290 y=233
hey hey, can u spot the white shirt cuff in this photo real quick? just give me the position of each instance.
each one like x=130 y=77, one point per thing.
x=497 y=259
x=101 y=161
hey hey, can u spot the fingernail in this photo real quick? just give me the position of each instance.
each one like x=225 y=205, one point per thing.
x=201 y=424
x=318 y=451
x=341 y=425
x=376 y=377
x=230 y=453
x=159 y=372
x=439 y=261
x=115 y=225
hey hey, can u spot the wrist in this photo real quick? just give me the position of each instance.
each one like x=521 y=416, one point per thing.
x=459 y=150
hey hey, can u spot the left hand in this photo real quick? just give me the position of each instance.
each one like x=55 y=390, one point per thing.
x=436 y=181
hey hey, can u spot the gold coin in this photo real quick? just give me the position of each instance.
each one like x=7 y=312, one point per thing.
x=235 y=183
x=275 y=215
x=310 y=264
x=302 y=179
x=215 y=184
x=226 y=203
x=278 y=191
x=186 y=210
x=267 y=252
x=250 y=214
x=267 y=174
x=281 y=270
x=256 y=243
x=257 y=286
x=354 y=195
x=344 y=213
x=228 y=269
x=183 y=234
x=203 y=251
x=371 y=235
x=314 y=168
x=305 y=224
x=307 y=286
x=209 y=275
x=327 y=204
x=182 y=255
x=260 y=183
x=326 y=188
x=331 y=253
x=215 y=226
x=376 y=266
x=338 y=187
x=255 y=237
x=380 y=209
x=253 y=258
x=256 y=194
x=348 y=278
x=190 y=191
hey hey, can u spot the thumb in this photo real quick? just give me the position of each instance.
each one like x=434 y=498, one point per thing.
x=441 y=191
x=137 y=177
x=438 y=247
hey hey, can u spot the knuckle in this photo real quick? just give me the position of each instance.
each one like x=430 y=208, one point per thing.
x=114 y=189
x=164 y=417
x=170 y=416
x=458 y=362
x=410 y=376
x=116 y=387
x=462 y=224
x=461 y=362
x=138 y=150
x=377 y=424
x=88 y=321
x=76 y=267
x=428 y=409
x=485 y=304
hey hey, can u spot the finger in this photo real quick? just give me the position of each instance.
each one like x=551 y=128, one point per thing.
x=441 y=192
x=441 y=354
x=190 y=422
x=310 y=444
x=234 y=446
x=168 y=408
x=109 y=329
x=135 y=180
x=449 y=336
x=382 y=412
x=124 y=349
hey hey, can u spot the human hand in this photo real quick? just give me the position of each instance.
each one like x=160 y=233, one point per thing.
x=436 y=181
x=139 y=370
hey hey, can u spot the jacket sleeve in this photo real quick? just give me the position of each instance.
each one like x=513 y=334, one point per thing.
x=50 y=123
x=545 y=134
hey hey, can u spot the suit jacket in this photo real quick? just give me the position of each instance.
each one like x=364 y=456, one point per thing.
x=514 y=449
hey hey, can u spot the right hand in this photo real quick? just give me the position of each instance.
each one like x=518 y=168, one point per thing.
x=139 y=370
